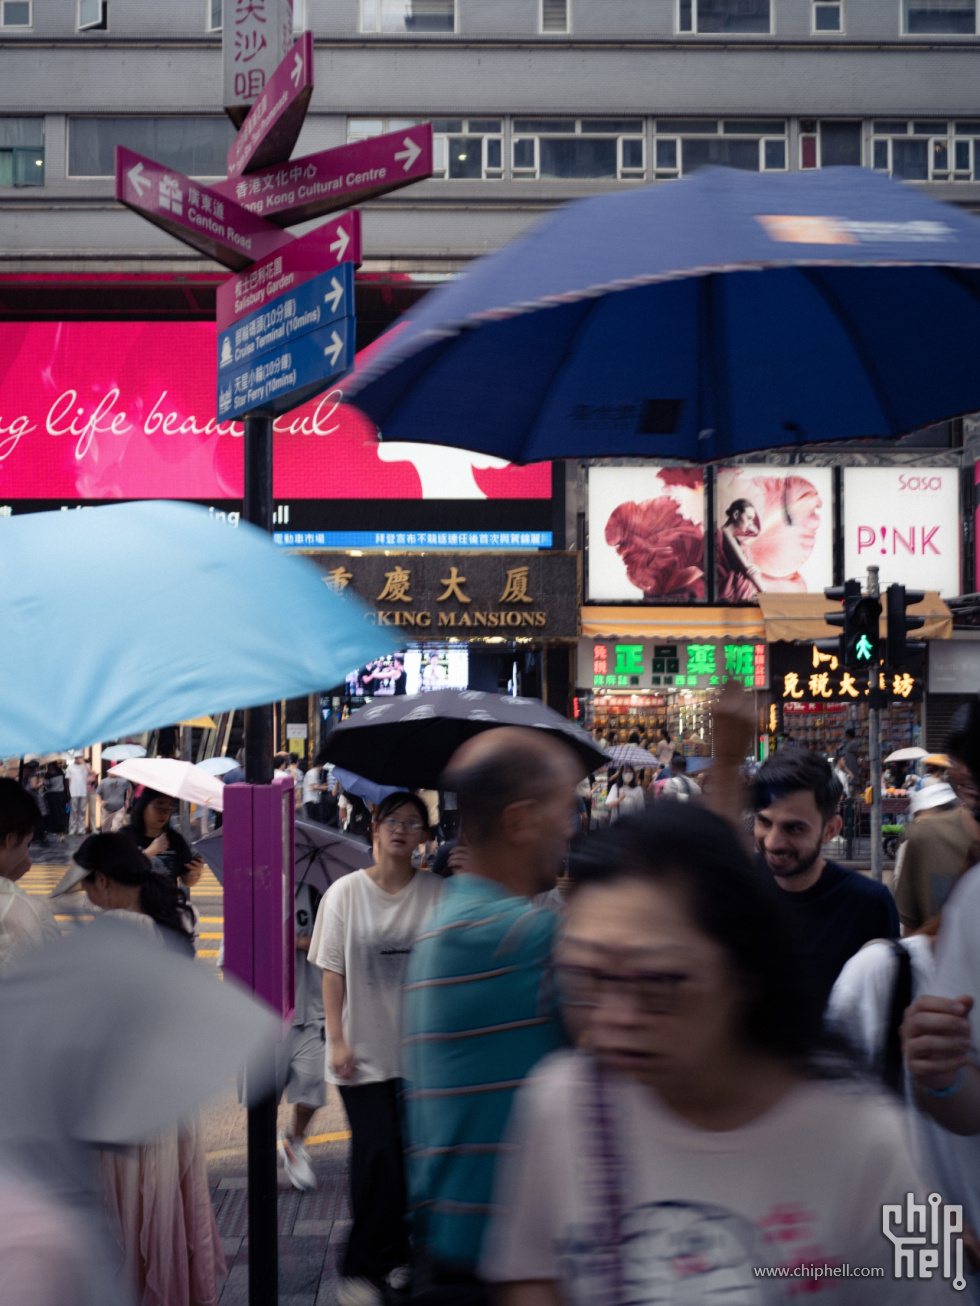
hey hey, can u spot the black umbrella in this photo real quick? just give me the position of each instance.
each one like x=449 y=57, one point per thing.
x=409 y=740
x=323 y=854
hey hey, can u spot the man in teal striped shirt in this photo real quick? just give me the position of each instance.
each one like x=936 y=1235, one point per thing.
x=480 y=1011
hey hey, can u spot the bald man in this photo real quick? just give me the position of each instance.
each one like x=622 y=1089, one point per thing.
x=479 y=1006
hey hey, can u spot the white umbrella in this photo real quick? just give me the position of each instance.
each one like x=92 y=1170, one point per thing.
x=217 y=765
x=120 y=752
x=907 y=755
x=178 y=779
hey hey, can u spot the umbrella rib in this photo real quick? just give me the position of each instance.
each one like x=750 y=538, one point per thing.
x=559 y=367
x=861 y=350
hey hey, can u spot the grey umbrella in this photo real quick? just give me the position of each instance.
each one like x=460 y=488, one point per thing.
x=323 y=854
x=408 y=740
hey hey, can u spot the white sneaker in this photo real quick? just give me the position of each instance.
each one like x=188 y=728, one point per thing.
x=296 y=1163
x=400 y=1277
x=358 y=1292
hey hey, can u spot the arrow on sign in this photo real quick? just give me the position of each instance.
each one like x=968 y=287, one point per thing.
x=297 y=72
x=336 y=346
x=339 y=246
x=336 y=294
x=139 y=182
x=409 y=154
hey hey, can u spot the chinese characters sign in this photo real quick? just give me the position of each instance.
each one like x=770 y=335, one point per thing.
x=699 y=665
x=468 y=596
x=255 y=36
x=802 y=674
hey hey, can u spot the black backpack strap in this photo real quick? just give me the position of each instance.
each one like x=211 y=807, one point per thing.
x=892 y=1071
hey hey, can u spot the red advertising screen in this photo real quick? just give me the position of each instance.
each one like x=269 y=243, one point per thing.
x=126 y=410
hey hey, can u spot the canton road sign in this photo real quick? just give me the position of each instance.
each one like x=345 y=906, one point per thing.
x=338 y=241
x=315 y=304
x=274 y=121
x=198 y=215
x=316 y=184
x=290 y=375
x=256 y=35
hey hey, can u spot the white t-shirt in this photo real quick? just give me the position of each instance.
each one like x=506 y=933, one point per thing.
x=632 y=796
x=312 y=777
x=701 y=1210
x=77 y=779
x=366 y=935
x=25 y=923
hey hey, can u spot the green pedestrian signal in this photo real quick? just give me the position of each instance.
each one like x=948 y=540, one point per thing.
x=863 y=649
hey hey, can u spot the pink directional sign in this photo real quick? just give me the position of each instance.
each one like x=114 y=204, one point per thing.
x=274 y=121
x=198 y=215
x=297 y=261
x=334 y=179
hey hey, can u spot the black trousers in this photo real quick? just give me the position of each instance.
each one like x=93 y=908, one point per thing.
x=379 y=1234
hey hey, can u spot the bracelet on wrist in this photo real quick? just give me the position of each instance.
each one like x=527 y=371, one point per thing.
x=946 y=1092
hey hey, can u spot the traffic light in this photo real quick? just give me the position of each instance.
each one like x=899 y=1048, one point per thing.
x=848 y=594
x=897 y=599
x=859 y=648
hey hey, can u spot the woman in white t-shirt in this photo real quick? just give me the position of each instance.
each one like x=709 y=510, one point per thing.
x=625 y=796
x=688 y=1143
x=364 y=932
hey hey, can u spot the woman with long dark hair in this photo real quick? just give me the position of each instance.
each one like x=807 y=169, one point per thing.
x=149 y=826
x=156 y=1195
x=695 y=1137
x=625 y=796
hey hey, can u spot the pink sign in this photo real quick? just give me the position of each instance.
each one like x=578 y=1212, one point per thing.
x=274 y=121
x=198 y=215
x=335 y=179
x=297 y=261
x=125 y=410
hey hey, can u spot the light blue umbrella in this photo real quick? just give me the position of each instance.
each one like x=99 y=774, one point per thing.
x=361 y=788
x=195 y=624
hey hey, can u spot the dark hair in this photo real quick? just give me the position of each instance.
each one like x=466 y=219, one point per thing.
x=795 y=770
x=849 y=732
x=732 y=902
x=161 y=898
x=393 y=801
x=736 y=508
x=137 y=827
x=664 y=734
x=137 y=812
x=19 y=812
x=294 y=759
x=280 y=760
x=679 y=762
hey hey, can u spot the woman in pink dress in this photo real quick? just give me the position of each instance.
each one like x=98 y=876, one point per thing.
x=739 y=580
x=157 y=1199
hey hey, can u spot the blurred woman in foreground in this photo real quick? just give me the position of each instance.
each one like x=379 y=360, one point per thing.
x=689 y=1142
x=157 y=1198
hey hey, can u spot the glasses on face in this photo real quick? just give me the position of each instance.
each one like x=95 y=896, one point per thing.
x=410 y=827
x=652 y=992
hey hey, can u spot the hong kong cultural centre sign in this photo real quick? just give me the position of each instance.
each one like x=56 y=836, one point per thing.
x=433 y=596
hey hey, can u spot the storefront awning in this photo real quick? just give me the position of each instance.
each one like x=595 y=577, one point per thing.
x=801 y=617
x=687 y=623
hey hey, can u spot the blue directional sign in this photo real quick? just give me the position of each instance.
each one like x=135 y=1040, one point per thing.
x=286 y=377
x=311 y=306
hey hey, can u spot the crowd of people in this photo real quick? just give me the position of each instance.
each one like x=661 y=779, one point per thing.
x=709 y=1067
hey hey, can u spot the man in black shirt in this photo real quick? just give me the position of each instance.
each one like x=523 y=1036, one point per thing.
x=837 y=910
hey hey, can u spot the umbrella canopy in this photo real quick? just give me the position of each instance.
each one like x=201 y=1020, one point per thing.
x=150 y=659
x=361 y=788
x=906 y=755
x=217 y=765
x=632 y=755
x=173 y=777
x=408 y=740
x=637 y=323
x=323 y=854
x=120 y=752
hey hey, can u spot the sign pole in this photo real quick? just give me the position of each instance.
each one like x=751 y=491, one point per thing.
x=874 y=752
x=263 y=1186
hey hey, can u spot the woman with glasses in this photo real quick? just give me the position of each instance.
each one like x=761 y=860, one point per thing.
x=694 y=1147
x=365 y=929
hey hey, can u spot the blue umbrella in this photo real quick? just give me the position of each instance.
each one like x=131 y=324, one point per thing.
x=195 y=624
x=638 y=323
x=361 y=788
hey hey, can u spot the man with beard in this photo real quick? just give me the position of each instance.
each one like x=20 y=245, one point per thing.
x=838 y=911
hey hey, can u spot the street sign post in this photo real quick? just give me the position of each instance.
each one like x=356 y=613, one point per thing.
x=198 y=215
x=298 y=260
x=256 y=35
x=275 y=120
x=288 y=376
x=316 y=184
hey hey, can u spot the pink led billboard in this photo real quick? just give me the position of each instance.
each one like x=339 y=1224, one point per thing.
x=103 y=410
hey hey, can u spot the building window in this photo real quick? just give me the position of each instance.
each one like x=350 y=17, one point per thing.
x=828 y=17
x=723 y=16
x=554 y=15
x=21 y=151
x=214 y=15
x=940 y=17
x=462 y=148
x=682 y=145
x=15 y=13
x=93 y=15
x=408 y=15
x=579 y=149
x=830 y=144
x=198 y=147
x=920 y=151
